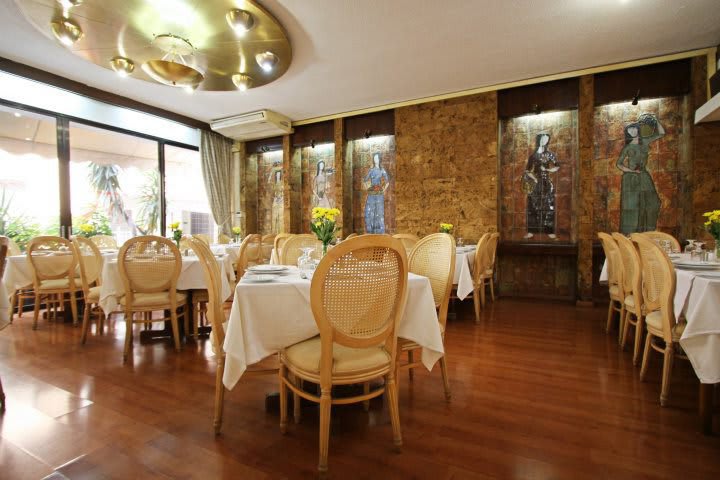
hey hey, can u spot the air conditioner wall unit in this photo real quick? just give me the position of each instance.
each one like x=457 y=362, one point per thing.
x=253 y=125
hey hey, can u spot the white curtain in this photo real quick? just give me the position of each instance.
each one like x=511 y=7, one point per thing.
x=216 y=157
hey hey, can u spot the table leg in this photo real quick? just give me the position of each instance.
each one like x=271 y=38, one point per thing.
x=706 y=407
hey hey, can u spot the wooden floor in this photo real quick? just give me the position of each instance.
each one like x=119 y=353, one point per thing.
x=539 y=392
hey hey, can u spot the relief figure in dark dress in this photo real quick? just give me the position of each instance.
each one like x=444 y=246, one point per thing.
x=538 y=186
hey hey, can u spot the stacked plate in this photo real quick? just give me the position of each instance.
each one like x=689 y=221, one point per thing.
x=695 y=265
x=264 y=273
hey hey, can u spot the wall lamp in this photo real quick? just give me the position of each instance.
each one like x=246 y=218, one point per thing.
x=367 y=134
x=636 y=98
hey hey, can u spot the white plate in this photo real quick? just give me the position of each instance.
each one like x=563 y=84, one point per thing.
x=698 y=266
x=268 y=268
x=258 y=278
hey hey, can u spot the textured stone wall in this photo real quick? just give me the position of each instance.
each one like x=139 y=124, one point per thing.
x=518 y=138
x=308 y=158
x=360 y=154
x=584 y=214
x=447 y=166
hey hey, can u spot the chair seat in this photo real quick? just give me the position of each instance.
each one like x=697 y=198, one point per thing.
x=630 y=301
x=57 y=284
x=614 y=291
x=654 y=325
x=159 y=299
x=306 y=356
x=93 y=294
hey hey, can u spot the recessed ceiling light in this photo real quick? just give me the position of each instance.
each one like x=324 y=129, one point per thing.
x=189 y=89
x=70 y=3
x=240 y=21
x=122 y=66
x=17 y=115
x=66 y=30
x=242 y=81
x=28 y=139
x=267 y=60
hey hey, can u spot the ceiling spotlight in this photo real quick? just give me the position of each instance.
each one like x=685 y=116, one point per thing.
x=190 y=89
x=242 y=81
x=368 y=133
x=312 y=143
x=172 y=69
x=536 y=109
x=267 y=60
x=66 y=30
x=240 y=20
x=122 y=66
x=70 y=3
x=17 y=115
x=636 y=98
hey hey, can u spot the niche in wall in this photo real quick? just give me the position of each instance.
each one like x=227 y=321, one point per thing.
x=318 y=179
x=270 y=191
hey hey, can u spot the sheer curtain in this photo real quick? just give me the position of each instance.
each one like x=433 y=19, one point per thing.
x=216 y=157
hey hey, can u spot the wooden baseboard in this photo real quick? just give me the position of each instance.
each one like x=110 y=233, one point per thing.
x=584 y=303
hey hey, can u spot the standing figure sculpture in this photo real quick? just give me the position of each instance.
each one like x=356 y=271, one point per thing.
x=375 y=182
x=276 y=218
x=319 y=186
x=639 y=201
x=537 y=184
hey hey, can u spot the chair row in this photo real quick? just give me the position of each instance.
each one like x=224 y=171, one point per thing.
x=641 y=284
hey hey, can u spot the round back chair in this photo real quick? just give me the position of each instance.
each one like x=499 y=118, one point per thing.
x=632 y=275
x=203 y=237
x=224 y=239
x=105 y=242
x=149 y=264
x=657 y=237
x=479 y=262
x=249 y=253
x=267 y=244
x=408 y=240
x=90 y=262
x=13 y=248
x=434 y=257
x=292 y=249
x=352 y=235
x=278 y=244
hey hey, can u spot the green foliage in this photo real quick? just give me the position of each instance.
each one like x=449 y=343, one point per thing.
x=21 y=230
x=97 y=223
x=104 y=180
x=149 y=214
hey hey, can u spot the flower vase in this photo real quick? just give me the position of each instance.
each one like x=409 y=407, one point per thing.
x=717 y=250
x=177 y=242
x=325 y=247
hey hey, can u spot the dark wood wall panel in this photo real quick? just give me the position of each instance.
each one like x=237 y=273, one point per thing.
x=549 y=96
x=263 y=145
x=304 y=135
x=670 y=79
x=372 y=124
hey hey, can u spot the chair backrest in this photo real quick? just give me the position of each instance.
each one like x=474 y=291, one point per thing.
x=203 y=237
x=658 y=236
x=632 y=274
x=658 y=280
x=352 y=235
x=105 y=241
x=480 y=261
x=51 y=258
x=249 y=253
x=185 y=243
x=13 y=248
x=615 y=269
x=267 y=245
x=4 y=250
x=224 y=239
x=408 y=240
x=149 y=264
x=491 y=250
x=358 y=295
x=434 y=257
x=90 y=262
x=215 y=312
x=292 y=249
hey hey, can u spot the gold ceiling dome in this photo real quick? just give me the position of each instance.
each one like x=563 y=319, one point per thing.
x=213 y=45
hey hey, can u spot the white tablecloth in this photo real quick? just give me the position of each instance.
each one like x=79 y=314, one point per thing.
x=18 y=273
x=697 y=298
x=191 y=278
x=464 y=258
x=231 y=254
x=267 y=317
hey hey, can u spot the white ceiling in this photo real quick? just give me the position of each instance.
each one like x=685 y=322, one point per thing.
x=353 y=54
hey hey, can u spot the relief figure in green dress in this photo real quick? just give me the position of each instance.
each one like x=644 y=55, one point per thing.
x=639 y=201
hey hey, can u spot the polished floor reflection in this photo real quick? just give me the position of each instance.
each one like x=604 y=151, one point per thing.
x=539 y=391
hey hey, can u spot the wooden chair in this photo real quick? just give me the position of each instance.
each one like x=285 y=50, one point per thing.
x=267 y=243
x=248 y=255
x=352 y=235
x=4 y=250
x=19 y=296
x=203 y=237
x=357 y=297
x=408 y=240
x=105 y=242
x=658 y=276
x=224 y=239
x=616 y=282
x=149 y=267
x=658 y=236
x=216 y=318
x=54 y=267
x=278 y=244
x=632 y=288
x=292 y=249
x=90 y=263
x=432 y=257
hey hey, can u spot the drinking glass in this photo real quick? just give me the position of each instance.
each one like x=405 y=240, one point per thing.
x=460 y=242
x=305 y=261
x=690 y=247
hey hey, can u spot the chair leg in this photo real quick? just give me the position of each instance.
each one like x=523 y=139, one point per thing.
x=101 y=322
x=492 y=289
x=196 y=321
x=85 y=324
x=639 y=325
x=476 y=302
x=446 y=381
x=667 y=373
x=219 y=394
x=646 y=357
x=482 y=293
x=2 y=398
x=411 y=360
x=36 y=311
x=325 y=405
x=283 y=399
x=297 y=413
x=13 y=301
x=611 y=309
x=73 y=308
x=366 y=390
x=128 y=333
x=174 y=323
x=621 y=324
x=391 y=388
x=626 y=327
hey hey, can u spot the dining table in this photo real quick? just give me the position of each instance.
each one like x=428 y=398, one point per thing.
x=464 y=261
x=267 y=317
x=697 y=301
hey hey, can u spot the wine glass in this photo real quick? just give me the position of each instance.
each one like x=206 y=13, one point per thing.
x=460 y=242
x=690 y=247
x=305 y=261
